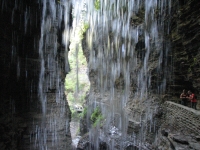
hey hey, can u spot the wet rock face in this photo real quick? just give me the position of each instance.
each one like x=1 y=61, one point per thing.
x=20 y=63
x=179 y=128
x=181 y=118
x=184 y=56
x=19 y=50
x=19 y=67
x=180 y=139
x=185 y=46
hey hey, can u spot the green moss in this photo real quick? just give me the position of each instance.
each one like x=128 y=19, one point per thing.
x=98 y=121
x=96 y=117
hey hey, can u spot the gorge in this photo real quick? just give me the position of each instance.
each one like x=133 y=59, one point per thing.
x=140 y=55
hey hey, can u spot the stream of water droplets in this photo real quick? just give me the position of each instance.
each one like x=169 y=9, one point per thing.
x=51 y=128
x=123 y=38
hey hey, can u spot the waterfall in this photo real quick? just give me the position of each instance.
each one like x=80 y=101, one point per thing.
x=34 y=61
x=50 y=75
x=123 y=38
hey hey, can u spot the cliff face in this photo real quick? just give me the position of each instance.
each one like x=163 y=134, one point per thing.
x=184 y=34
x=20 y=63
x=18 y=42
x=22 y=110
x=119 y=64
x=19 y=67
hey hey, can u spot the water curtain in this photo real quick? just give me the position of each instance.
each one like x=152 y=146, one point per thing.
x=50 y=73
x=126 y=42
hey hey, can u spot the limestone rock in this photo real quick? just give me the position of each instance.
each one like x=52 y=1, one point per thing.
x=180 y=139
x=195 y=146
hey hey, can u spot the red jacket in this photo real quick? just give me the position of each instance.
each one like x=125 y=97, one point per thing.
x=192 y=98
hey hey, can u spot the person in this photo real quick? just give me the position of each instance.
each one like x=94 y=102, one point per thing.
x=184 y=98
x=193 y=100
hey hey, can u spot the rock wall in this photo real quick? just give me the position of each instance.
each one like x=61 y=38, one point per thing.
x=21 y=112
x=179 y=128
x=182 y=71
x=185 y=56
x=19 y=68
x=184 y=53
x=181 y=118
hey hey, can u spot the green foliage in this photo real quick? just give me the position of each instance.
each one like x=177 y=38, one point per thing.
x=83 y=114
x=74 y=113
x=81 y=58
x=72 y=62
x=70 y=85
x=97 y=4
x=76 y=81
x=84 y=28
x=95 y=114
x=82 y=98
x=96 y=117
x=70 y=96
x=98 y=121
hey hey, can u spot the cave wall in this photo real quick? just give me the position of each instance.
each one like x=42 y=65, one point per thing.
x=20 y=63
x=19 y=67
x=182 y=71
x=184 y=35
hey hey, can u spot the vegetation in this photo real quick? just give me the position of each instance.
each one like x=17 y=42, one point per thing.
x=74 y=114
x=83 y=114
x=97 y=4
x=76 y=81
x=70 y=96
x=70 y=84
x=83 y=29
x=76 y=84
x=96 y=117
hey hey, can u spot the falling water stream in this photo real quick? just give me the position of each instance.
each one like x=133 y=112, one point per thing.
x=51 y=128
x=116 y=29
x=116 y=50
x=47 y=125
